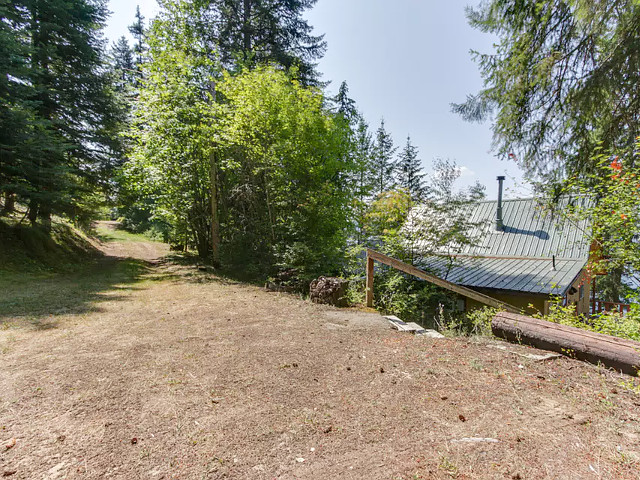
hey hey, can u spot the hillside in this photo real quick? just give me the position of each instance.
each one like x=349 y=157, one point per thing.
x=164 y=371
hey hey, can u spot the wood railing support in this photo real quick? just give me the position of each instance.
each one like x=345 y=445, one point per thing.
x=369 y=281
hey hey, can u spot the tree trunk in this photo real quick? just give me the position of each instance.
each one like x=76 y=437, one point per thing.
x=45 y=217
x=246 y=28
x=215 y=219
x=9 y=203
x=618 y=353
x=33 y=212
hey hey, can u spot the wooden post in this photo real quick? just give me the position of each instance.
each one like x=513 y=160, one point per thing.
x=593 y=296
x=369 y=281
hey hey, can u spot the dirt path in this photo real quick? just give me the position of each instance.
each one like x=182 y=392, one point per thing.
x=182 y=375
x=141 y=250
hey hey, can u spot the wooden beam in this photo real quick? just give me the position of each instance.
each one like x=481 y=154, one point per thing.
x=369 y=281
x=416 y=272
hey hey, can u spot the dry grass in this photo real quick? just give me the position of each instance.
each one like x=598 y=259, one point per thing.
x=178 y=374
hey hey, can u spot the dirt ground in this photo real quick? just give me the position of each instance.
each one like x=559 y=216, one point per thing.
x=184 y=375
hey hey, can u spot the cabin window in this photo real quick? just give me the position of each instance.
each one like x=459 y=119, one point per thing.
x=581 y=292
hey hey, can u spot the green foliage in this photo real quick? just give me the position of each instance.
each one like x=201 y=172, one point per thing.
x=169 y=170
x=440 y=225
x=609 y=323
x=614 y=187
x=284 y=200
x=409 y=173
x=383 y=162
x=248 y=33
x=563 y=79
x=412 y=299
x=57 y=115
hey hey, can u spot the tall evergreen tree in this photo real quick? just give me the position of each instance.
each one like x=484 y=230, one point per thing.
x=565 y=78
x=383 y=160
x=409 y=172
x=123 y=61
x=67 y=137
x=249 y=32
x=14 y=107
x=345 y=105
x=137 y=30
x=364 y=179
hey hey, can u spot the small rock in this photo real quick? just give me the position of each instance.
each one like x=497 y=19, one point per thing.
x=10 y=444
x=299 y=459
x=134 y=441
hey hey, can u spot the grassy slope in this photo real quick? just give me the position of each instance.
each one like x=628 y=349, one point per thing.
x=62 y=273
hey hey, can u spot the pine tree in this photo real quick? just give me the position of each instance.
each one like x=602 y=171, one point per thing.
x=251 y=32
x=409 y=172
x=14 y=108
x=562 y=81
x=383 y=163
x=346 y=106
x=137 y=30
x=65 y=138
x=123 y=62
x=363 y=180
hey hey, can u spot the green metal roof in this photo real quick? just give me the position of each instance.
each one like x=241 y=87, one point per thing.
x=520 y=257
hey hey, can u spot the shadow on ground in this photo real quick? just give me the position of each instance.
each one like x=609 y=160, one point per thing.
x=36 y=297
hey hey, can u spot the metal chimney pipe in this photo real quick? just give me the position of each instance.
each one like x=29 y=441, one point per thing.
x=499 y=222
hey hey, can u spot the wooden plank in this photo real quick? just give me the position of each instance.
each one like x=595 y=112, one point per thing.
x=369 y=281
x=618 y=353
x=416 y=272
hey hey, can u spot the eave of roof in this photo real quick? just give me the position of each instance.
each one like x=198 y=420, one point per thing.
x=513 y=274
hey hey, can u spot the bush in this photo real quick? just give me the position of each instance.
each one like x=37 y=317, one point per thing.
x=609 y=323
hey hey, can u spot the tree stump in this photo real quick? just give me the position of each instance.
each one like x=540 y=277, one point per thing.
x=329 y=290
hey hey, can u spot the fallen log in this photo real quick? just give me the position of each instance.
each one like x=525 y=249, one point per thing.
x=618 y=353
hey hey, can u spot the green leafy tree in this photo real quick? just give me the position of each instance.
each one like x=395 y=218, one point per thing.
x=283 y=199
x=170 y=169
x=383 y=160
x=440 y=224
x=564 y=78
x=614 y=212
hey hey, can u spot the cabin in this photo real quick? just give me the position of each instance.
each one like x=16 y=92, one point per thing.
x=521 y=255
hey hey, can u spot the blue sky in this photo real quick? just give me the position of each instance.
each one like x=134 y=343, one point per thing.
x=406 y=61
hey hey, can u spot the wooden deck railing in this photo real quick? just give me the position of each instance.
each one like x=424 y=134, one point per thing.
x=599 y=306
x=372 y=256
